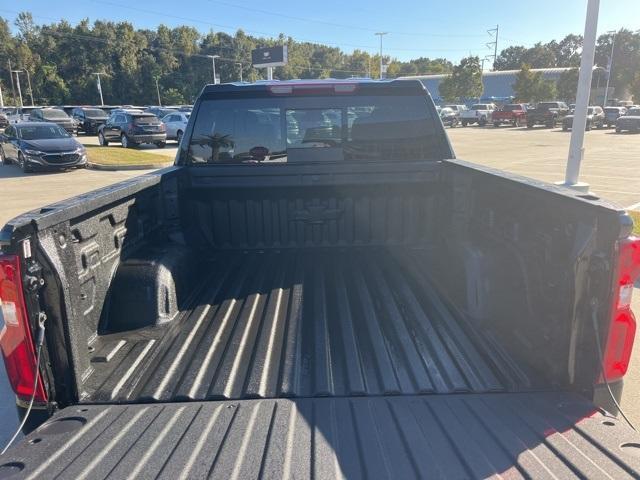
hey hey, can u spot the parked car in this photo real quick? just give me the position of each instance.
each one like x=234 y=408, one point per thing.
x=480 y=113
x=41 y=145
x=629 y=122
x=612 y=114
x=548 y=114
x=131 y=128
x=56 y=116
x=19 y=114
x=513 y=114
x=160 y=112
x=457 y=108
x=176 y=124
x=449 y=117
x=595 y=118
x=89 y=119
x=428 y=317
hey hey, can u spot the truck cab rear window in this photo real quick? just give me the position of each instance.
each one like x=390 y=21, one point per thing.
x=314 y=129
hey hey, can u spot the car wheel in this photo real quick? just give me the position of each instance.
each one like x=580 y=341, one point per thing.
x=587 y=127
x=482 y=122
x=23 y=163
x=161 y=144
x=101 y=140
x=529 y=125
x=464 y=124
x=496 y=124
x=565 y=128
x=618 y=130
x=179 y=136
x=126 y=143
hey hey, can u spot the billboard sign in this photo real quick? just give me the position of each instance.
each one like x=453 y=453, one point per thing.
x=269 y=57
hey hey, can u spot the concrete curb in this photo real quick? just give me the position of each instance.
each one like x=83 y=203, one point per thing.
x=115 y=168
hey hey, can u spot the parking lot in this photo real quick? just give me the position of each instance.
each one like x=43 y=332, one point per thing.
x=610 y=166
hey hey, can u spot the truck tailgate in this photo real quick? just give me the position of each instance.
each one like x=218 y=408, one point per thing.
x=542 y=435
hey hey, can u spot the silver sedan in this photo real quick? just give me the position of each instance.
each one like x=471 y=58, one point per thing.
x=176 y=124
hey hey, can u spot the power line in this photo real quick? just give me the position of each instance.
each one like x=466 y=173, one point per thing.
x=340 y=25
x=268 y=34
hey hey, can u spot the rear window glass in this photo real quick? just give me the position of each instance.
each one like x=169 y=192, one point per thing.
x=146 y=120
x=314 y=129
x=512 y=108
x=54 y=114
x=480 y=107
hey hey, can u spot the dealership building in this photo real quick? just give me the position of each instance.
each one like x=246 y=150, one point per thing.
x=498 y=85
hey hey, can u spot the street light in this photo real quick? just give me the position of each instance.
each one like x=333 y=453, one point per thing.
x=240 y=65
x=381 y=34
x=18 y=84
x=576 y=146
x=99 y=84
x=213 y=65
x=158 y=91
x=613 y=43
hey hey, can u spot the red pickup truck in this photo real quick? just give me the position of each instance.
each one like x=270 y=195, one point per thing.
x=514 y=114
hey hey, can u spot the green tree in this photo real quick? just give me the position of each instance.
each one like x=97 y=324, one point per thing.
x=567 y=85
x=532 y=87
x=172 y=96
x=464 y=82
x=634 y=89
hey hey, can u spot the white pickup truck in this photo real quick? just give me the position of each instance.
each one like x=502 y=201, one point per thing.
x=479 y=113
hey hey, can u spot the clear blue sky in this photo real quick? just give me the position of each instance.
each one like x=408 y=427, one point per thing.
x=430 y=28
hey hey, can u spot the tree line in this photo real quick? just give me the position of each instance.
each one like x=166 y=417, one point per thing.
x=62 y=59
x=623 y=55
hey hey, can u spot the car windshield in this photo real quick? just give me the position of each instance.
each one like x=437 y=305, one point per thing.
x=94 y=112
x=479 y=107
x=146 y=120
x=547 y=105
x=54 y=114
x=312 y=129
x=512 y=108
x=41 y=132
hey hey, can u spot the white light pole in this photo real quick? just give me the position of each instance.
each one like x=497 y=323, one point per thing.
x=18 y=84
x=240 y=65
x=29 y=83
x=213 y=65
x=1 y=97
x=606 y=90
x=576 y=147
x=381 y=34
x=158 y=92
x=99 y=83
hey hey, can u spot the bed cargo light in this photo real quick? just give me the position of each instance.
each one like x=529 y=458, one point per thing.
x=622 y=329
x=16 y=341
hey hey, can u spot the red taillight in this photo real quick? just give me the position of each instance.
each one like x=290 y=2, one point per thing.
x=622 y=330
x=15 y=335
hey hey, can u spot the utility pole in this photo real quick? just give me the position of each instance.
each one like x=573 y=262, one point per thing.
x=13 y=88
x=240 y=65
x=99 y=84
x=213 y=65
x=18 y=83
x=492 y=32
x=1 y=97
x=576 y=146
x=381 y=34
x=613 y=43
x=29 y=83
x=158 y=91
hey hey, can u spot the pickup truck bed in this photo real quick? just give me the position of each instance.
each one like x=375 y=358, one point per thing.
x=300 y=323
x=541 y=435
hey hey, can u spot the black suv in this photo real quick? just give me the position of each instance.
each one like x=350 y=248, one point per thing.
x=56 y=116
x=132 y=129
x=89 y=119
x=548 y=114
